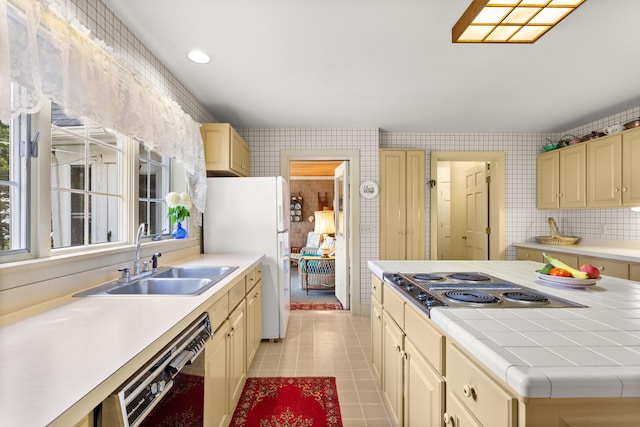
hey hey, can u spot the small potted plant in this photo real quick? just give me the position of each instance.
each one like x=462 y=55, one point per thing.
x=179 y=205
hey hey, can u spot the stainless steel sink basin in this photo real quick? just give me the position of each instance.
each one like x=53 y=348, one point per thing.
x=163 y=286
x=166 y=281
x=214 y=273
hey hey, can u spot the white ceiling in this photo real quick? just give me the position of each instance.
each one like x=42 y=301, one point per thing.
x=390 y=64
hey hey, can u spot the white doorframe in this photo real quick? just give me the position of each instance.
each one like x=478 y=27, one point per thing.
x=353 y=156
x=497 y=189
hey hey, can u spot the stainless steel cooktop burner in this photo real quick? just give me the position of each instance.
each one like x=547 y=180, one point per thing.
x=469 y=289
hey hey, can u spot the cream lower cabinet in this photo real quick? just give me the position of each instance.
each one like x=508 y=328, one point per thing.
x=217 y=410
x=402 y=204
x=412 y=362
x=237 y=353
x=376 y=328
x=482 y=401
x=254 y=321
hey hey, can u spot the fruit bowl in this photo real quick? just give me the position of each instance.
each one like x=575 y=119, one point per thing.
x=568 y=281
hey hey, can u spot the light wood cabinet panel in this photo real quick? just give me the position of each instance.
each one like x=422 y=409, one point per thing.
x=402 y=204
x=426 y=337
x=217 y=411
x=608 y=267
x=225 y=152
x=548 y=174
x=630 y=169
x=424 y=390
x=604 y=179
x=478 y=392
x=457 y=414
x=525 y=254
x=394 y=305
x=562 y=178
x=634 y=272
x=254 y=322
x=392 y=372
x=376 y=288
x=376 y=340
x=569 y=259
x=237 y=353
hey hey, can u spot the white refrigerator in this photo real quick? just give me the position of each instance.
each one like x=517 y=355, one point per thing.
x=251 y=215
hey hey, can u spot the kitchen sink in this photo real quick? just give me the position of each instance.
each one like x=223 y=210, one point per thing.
x=187 y=281
x=163 y=286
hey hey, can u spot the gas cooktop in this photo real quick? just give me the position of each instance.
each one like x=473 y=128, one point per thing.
x=469 y=289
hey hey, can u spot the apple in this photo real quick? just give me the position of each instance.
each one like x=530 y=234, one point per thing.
x=592 y=271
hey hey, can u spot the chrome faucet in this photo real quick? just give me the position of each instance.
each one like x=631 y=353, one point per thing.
x=136 y=263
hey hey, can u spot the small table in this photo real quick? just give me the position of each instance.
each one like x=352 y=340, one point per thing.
x=317 y=272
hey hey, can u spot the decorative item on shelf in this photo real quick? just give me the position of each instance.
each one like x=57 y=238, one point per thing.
x=556 y=238
x=296 y=208
x=179 y=205
x=613 y=129
x=325 y=225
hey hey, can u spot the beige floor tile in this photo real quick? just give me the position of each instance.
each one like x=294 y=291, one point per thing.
x=351 y=410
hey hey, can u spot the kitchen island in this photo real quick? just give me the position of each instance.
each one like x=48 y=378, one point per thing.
x=583 y=361
x=56 y=366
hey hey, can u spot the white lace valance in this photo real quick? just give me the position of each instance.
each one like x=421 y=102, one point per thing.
x=56 y=59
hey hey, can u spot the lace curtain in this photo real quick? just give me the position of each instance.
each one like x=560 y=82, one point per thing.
x=56 y=59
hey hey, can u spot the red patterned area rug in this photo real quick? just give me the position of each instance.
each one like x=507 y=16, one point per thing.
x=316 y=306
x=181 y=407
x=288 y=402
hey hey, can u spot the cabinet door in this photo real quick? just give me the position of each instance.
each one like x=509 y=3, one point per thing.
x=239 y=154
x=216 y=385
x=548 y=174
x=604 y=177
x=569 y=259
x=415 y=207
x=216 y=138
x=634 y=272
x=608 y=267
x=393 y=200
x=573 y=178
x=237 y=351
x=525 y=254
x=376 y=339
x=457 y=415
x=392 y=351
x=424 y=390
x=630 y=169
x=254 y=322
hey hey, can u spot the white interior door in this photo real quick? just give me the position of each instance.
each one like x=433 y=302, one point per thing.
x=343 y=225
x=477 y=215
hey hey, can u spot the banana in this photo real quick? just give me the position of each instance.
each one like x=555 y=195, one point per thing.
x=557 y=263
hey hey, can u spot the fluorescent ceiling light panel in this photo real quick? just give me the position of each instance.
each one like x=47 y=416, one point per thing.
x=510 y=21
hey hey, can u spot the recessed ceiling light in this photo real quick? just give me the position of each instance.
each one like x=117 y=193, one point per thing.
x=199 y=57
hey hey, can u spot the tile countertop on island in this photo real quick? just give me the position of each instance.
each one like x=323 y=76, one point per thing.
x=547 y=353
x=51 y=361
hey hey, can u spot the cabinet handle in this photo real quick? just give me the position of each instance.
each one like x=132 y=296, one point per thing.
x=378 y=317
x=448 y=420
x=601 y=267
x=469 y=392
x=624 y=189
x=396 y=347
x=615 y=190
x=375 y=287
x=464 y=237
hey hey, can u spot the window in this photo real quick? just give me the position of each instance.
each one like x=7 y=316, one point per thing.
x=15 y=153
x=86 y=183
x=153 y=182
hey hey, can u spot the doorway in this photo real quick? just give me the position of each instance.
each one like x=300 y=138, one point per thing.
x=352 y=258
x=468 y=205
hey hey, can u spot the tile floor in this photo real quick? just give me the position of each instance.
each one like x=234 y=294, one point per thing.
x=329 y=343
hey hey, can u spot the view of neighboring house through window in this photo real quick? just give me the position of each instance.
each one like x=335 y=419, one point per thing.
x=14 y=183
x=86 y=183
x=153 y=180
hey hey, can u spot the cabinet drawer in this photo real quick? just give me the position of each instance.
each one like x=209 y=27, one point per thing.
x=634 y=272
x=525 y=254
x=607 y=266
x=484 y=398
x=569 y=259
x=425 y=336
x=376 y=288
x=253 y=277
x=218 y=312
x=237 y=293
x=394 y=305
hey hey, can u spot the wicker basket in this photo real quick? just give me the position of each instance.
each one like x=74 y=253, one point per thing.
x=556 y=238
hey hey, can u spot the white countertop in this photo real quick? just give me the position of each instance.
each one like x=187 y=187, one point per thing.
x=626 y=251
x=50 y=361
x=553 y=352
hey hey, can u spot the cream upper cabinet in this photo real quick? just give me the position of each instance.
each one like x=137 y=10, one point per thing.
x=225 y=152
x=613 y=177
x=562 y=178
x=402 y=204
